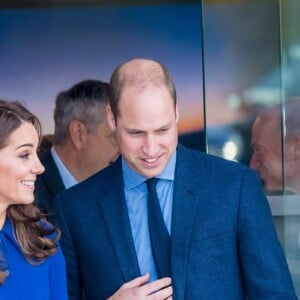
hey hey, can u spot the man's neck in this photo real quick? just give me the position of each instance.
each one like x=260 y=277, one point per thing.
x=70 y=160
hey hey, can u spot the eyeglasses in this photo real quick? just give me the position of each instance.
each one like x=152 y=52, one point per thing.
x=4 y=271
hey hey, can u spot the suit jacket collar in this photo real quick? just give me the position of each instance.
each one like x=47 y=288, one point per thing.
x=51 y=176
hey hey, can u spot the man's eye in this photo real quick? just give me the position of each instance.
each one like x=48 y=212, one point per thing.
x=164 y=129
x=258 y=149
x=134 y=132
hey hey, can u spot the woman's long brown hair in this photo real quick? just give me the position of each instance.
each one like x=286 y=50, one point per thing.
x=36 y=237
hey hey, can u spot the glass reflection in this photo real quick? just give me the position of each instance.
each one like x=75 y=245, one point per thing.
x=251 y=79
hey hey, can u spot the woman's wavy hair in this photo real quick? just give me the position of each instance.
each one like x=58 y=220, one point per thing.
x=36 y=237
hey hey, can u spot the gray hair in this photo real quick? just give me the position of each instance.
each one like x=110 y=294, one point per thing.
x=86 y=102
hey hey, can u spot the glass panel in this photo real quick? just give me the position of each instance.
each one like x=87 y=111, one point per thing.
x=290 y=41
x=242 y=71
x=249 y=88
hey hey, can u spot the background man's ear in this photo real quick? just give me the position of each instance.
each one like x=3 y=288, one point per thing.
x=77 y=132
x=110 y=118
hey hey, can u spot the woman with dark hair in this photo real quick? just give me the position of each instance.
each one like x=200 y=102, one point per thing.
x=31 y=263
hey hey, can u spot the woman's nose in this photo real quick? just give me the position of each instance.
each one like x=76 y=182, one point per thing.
x=37 y=167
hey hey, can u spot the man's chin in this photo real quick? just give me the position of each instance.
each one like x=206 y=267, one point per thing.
x=273 y=190
x=149 y=173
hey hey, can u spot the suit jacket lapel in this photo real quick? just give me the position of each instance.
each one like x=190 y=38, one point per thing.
x=185 y=205
x=116 y=217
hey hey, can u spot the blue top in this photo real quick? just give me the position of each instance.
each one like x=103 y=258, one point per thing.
x=136 y=200
x=42 y=281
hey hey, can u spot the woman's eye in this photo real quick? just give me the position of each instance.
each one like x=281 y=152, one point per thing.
x=24 y=155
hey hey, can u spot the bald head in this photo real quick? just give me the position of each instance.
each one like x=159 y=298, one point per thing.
x=276 y=146
x=292 y=120
x=138 y=74
x=271 y=118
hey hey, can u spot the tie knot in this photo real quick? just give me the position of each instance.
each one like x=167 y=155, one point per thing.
x=151 y=183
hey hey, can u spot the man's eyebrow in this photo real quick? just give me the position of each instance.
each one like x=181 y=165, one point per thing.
x=141 y=130
x=165 y=126
x=131 y=129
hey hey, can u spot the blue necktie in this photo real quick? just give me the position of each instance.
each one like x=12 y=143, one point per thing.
x=159 y=236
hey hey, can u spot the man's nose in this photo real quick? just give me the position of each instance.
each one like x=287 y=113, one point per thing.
x=254 y=161
x=150 y=145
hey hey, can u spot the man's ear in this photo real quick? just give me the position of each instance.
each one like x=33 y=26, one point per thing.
x=77 y=133
x=292 y=147
x=111 y=121
x=177 y=112
x=297 y=147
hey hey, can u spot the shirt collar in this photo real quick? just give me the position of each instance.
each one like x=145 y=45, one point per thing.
x=133 y=179
x=67 y=178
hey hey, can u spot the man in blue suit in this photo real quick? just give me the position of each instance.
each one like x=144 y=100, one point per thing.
x=82 y=142
x=223 y=244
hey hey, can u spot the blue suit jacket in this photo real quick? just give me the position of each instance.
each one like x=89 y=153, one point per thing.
x=224 y=245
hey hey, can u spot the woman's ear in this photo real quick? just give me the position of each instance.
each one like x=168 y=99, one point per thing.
x=111 y=121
